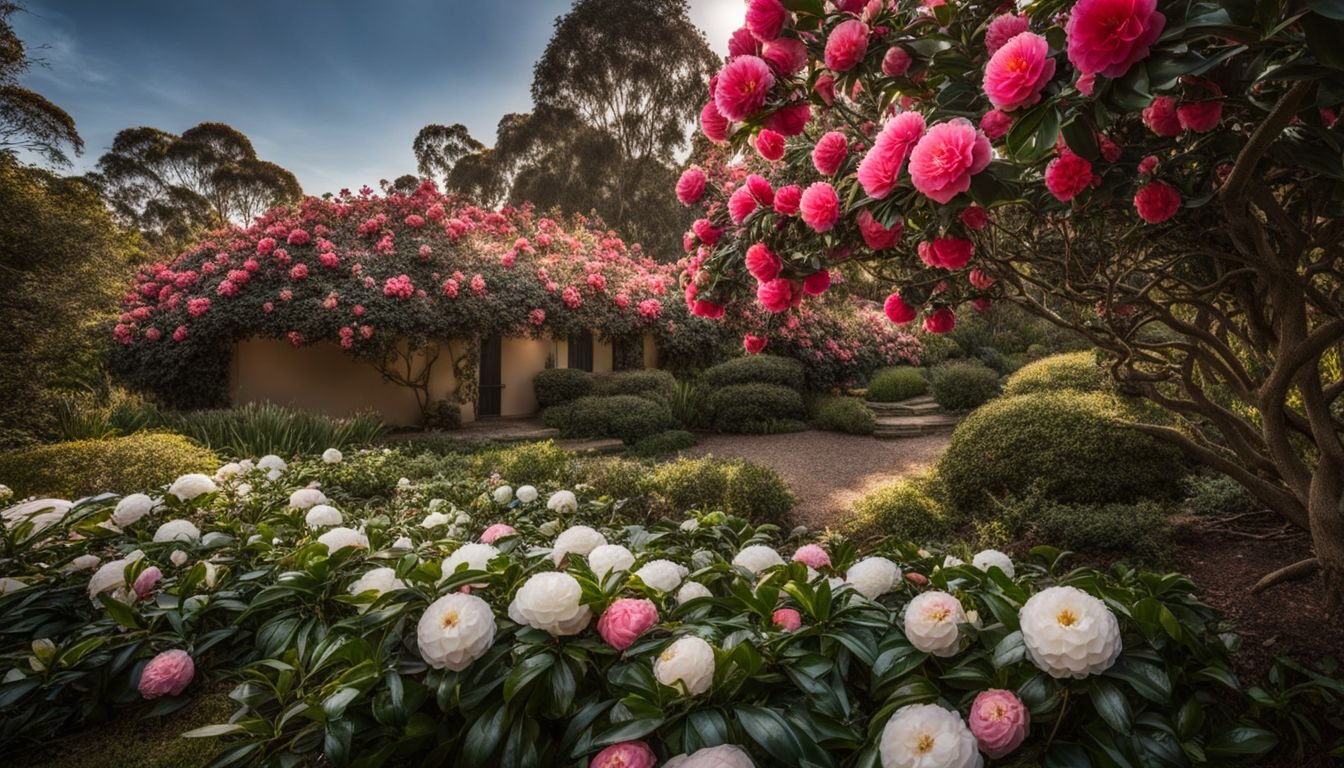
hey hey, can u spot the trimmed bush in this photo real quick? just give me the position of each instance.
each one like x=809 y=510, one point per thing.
x=906 y=510
x=757 y=492
x=892 y=385
x=443 y=414
x=556 y=386
x=659 y=386
x=1133 y=530
x=526 y=463
x=615 y=477
x=1074 y=445
x=1077 y=371
x=664 y=443
x=687 y=484
x=750 y=408
x=963 y=385
x=627 y=417
x=757 y=369
x=844 y=414
x=1216 y=494
x=116 y=465
x=752 y=491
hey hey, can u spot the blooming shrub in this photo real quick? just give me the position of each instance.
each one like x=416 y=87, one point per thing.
x=709 y=636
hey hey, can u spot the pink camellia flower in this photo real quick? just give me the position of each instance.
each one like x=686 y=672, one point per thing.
x=787 y=199
x=706 y=232
x=830 y=153
x=762 y=264
x=897 y=311
x=761 y=190
x=742 y=43
x=880 y=168
x=896 y=62
x=167 y=674
x=741 y=204
x=995 y=124
x=820 y=207
x=787 y=619
x=496 y=531
x=153 y=334
x=786 y=55
x=713 y=123
x=298 y=272
x=1087 y=83
x=765 y=19
x=943 y=162
x=1200 y=116
x=1019 y=70
x=812 y=556
x=1002 y=29
x=743 y=87
x=770 y=144
x=875 y=235
x=825 y=88
x=918 y=579
x=1108 y=36
x=982 y=304
x=625 y=620
x=265 y=245
x=790 y=120
x=941 y=321
x=1157 y=201
x=947 y=252
x=626 y=754
x=1161 y=117
x=817 y=283
x=1110 y=151
x=775 y=295
x=974 y=217
x=1068 y=175
x=999 y=721
x=146 y=581
x=1147 y=164
x=980 y=280
x=753 y=344
x=299 y=237
x=847 y=44
x=180 y=334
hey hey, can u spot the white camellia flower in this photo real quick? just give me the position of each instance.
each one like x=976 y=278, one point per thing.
x=1069 y=633
x=188 y=487
x=177 y=530
x=928 y=736
x=307 y=498
x=41 y=513
x=403 y=542
x=873 y=577
x=378 y=580
x=475 y=556
x=131 y=509
x=687 y=665
x=549 y=528
x=931 y=621
x=563 y=501
x=757 y=558
x=340 y=538
x=271 y=463
x=178 y=558
x=82 y=563
x=323 y=516
x=404 y=483
x=462 y=519
x=434 y=520
x=243 y=490
x=662 y=575
x=526 y=494
x=8 y=584
x=111 y=577
x=722 y=756
x=692 y=590
x=211 y=574
x=229 y=471
x=610 y=558
x=952 y=562
x=578 y=539
x=993 y=557
x=502 y=495
x=454 y=631
x=550 y=602
x=332 y=456
x=690 y=525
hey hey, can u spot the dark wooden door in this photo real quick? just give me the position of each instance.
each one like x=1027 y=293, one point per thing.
x=492 y=378
x=581 y=351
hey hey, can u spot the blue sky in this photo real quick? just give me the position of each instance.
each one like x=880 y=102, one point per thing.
x=333 y=90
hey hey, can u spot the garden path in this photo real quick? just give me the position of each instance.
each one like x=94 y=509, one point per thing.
x=828 y=471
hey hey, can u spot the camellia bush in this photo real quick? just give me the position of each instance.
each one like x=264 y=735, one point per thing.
x=472 y=622
x=1164 y=178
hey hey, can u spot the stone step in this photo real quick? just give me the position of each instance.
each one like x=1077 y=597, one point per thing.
x=914 y=426
x=599 y=446
x=919 y=406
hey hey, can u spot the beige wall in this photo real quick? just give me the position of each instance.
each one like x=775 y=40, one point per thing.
x=521 y=359
x=602 y=355
x=650 y=352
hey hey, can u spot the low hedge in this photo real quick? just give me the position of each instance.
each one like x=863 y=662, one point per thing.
x=664 y=443
x=557 y=386
x=627 y=417
x=1140 y=531
x=963 y=385
x=750 y=408
x=757 y=369
x=906 y=510
x=844 y=414
x=892 y=385
x=1076 y=371
x=115 y=465
x=753 y=491
x=1074 y=445
x=660 y=386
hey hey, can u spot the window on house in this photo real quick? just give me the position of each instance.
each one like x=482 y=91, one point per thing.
x=581 y=351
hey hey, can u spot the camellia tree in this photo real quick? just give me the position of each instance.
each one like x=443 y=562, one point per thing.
x=1163 y=177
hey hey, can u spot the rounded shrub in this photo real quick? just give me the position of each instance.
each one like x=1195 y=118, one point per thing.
x=526 y=463
x=1074 y=446
x=556 y=386
x=1139 y=530
x=616 y=478
x=892 y=385
x=963 y=385
x=757 y=369
x=1076 y=371
x=142 y=461
x=664 y=443
x=757 y=493
x=627 y=417
x=660 y=386
x=905 y=510
x=844 y=414
x=687 y=484
x=752 y=491
x=751 y=408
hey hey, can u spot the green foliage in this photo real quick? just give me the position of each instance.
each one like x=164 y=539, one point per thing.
x=938 y=348
x=690 y=404
x=659 y=386
x=616 y=478
x=686 y=484
x=664 y=443
x=1076 y=445
x=963 y=385
x=627 y=417
x=526 y=463
x=757 y=369
x=843 y=414
x=1077 y=371
x=256 y=429
x=892 y=385
x=1212 y=494
x=906 y=510
x=557 y=386
x=1137 y=531
x=751 y=408
x=751 y=491
x=359 y=475
x=757 y=493
x=443 y=414
x=119 y=465
x=28 y=121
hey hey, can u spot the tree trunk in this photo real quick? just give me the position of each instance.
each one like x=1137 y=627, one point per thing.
x=1326 y=510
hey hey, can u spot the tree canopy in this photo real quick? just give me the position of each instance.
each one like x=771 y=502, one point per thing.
x=28 y=121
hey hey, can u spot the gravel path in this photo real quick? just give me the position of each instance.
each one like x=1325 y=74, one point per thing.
x=828 y=471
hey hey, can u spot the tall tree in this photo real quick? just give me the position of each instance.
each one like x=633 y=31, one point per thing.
x=27 y=120
x=170 y=187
